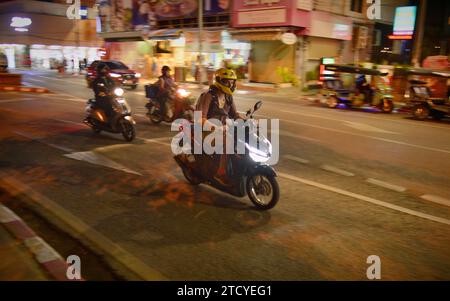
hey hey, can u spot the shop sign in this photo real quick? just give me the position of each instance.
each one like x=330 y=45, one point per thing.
x=288 y=38
x=267 y=16
x=260 y=2
x=212 y=41
x=404 y=20
x=305 y=5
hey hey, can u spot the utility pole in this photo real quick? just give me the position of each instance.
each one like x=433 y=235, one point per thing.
x=417 y=48
x=200 y=43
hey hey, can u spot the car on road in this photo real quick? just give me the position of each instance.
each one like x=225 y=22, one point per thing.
x=119 y=72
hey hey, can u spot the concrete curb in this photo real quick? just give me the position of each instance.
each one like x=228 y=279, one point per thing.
x=24 y=89
x=126 y=264
x=47 y=257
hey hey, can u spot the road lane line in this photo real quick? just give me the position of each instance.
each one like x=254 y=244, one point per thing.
x=367 y=128
x=98 y=159
x=296 y=159
x=71 y=122
x=63 y=80
x=436 y=199
x=337 y=170
x=370 y=137
x=156 y=140
x=365 y=198
x=41 y=140
x=386 y=185
x=402 y=121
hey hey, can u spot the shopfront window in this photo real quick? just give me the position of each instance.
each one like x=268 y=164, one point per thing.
x=356 y=6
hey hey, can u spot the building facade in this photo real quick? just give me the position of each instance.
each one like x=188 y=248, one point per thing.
x=40 y=35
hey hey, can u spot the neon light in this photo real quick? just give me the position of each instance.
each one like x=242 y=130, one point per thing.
x=20 y=22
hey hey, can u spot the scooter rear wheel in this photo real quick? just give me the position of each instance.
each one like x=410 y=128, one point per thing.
x=263 y=191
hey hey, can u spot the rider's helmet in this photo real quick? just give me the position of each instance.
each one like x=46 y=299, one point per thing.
x=165 y=69
x=225 y=80
x=102 y=69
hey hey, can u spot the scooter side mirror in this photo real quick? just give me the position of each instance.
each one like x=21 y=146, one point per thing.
x=257 y=106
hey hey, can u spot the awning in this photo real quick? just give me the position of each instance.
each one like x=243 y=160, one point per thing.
x=164 y=34
x=259 y=34
x=155 y=35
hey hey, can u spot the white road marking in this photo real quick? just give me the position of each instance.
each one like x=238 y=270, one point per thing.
x=71 y=122
x=71 y=80
x=71 y=97
x=15 y=100
x=436 y=199
x=296 y=159
x=41 y=140
x=337 y=170
x=366 y=128
x=97 y=159
x=156 y=140
x=386 y=185
x=366 y=116
x=370 y=137
x=365 y=198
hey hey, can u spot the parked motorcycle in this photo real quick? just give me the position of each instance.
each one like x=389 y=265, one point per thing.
x=122 y=121
x=248 y=173
x=181 y=108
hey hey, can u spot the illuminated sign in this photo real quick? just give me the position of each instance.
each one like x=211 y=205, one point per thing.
x=20 y=22
x=400 y=37
x=404 y=21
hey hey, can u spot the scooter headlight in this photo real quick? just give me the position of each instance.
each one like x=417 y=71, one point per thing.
x=256 y=154
x=183 y=93
x=118 y=92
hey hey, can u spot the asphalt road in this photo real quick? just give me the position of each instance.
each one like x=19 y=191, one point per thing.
x=353 y=184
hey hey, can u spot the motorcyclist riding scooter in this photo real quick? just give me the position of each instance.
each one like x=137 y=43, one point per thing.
x=234 y=174
x=164 y=97
x=109 y=111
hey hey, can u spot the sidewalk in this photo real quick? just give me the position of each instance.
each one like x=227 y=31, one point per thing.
x=17 y=261
x=25 y=255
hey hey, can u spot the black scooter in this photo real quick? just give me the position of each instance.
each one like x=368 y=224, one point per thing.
x=122 y=121
x=247 y=174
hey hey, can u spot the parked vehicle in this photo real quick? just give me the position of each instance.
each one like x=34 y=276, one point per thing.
x=119 y=72
x=420 y=101
x=248 y=174
x=122 y=122
x=333 y=92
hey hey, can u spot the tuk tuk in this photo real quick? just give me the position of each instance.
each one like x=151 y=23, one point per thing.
x=420 y=99
x=363 y=93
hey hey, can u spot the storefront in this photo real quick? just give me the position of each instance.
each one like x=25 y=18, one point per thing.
x=160 y=32
x=272 y=28
x=328 y=36
x=181 y=52
x=33 y=39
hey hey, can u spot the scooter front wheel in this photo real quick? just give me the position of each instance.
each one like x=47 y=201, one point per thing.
x=263 y=191
x=154 y=114
x=128 y=131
